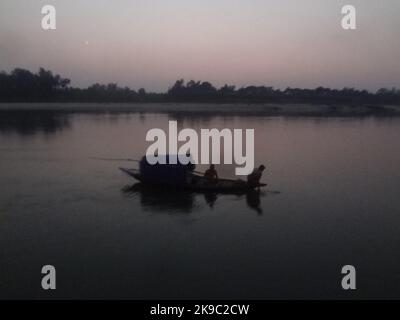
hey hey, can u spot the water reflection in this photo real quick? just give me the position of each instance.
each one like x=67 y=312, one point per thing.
x=253 y=200
x=25 y=122
x=178 y=201
x=160 y=199
x=30 y=121
x=210 y=198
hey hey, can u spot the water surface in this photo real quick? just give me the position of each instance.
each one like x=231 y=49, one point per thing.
x=332 y=199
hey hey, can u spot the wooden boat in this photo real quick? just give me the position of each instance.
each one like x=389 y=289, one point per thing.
x=196 y=182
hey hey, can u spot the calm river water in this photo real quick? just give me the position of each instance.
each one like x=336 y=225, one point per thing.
x=333 y=198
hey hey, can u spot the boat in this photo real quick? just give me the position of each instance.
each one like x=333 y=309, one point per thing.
x=194 y=182
x=172 y=174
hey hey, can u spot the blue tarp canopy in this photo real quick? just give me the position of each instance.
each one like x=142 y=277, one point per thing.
x=170 y=174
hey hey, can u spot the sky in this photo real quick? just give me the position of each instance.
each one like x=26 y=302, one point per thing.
x=152 y=43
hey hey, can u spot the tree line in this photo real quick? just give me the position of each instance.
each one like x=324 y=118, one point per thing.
x=22 y=85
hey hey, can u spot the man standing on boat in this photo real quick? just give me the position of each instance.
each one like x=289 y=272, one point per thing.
x=211 y=174
x=253 y=179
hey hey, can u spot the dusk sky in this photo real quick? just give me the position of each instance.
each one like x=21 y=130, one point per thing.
x=152 y=43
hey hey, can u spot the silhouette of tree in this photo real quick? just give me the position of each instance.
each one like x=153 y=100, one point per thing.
x=23 y=85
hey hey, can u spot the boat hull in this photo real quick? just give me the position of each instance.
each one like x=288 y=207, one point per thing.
x=198 y=183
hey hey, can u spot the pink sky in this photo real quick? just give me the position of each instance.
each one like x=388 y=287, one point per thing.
x=151 y=43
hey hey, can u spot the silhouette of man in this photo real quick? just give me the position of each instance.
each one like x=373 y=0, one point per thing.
x=253 y=179
x=211 y=174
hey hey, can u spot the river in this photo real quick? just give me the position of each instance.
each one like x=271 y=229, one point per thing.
x=332 y=199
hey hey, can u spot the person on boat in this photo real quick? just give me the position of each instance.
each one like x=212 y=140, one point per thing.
x=253 y=179
x=211 y=174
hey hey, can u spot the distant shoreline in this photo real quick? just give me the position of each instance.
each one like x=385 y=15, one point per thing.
x=23 y=86
x=209 y=109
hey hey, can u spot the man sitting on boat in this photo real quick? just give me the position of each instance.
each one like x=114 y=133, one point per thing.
x=211 y=174
x=253 y=179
